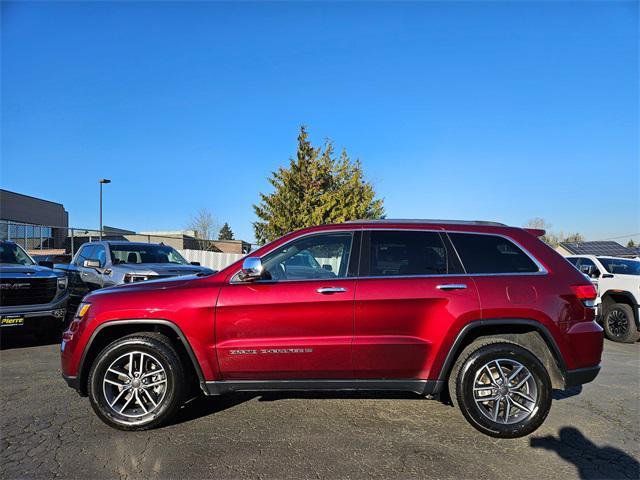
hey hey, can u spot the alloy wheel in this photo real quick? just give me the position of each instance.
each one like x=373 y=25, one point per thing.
x=505 y=391
x=618 y=323
x=135 y=384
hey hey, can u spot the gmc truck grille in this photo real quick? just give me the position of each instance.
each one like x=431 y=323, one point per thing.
x=27 y=291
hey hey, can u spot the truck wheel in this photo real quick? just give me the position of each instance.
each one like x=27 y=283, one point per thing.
x=502 y=389
x=619 y=324
x=136 y=382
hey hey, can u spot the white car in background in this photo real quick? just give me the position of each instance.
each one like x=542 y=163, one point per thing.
x=618 y=283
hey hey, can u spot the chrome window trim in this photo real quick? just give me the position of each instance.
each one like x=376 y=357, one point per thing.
x=541 y=269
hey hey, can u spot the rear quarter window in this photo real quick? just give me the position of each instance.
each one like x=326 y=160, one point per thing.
x=491 y=254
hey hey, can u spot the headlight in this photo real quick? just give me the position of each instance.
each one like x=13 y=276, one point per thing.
x=83 y=308
x=135 y=277
x=62 y=283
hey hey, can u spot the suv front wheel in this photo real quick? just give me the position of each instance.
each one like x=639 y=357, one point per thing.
x=502 y=389
x=136 y=382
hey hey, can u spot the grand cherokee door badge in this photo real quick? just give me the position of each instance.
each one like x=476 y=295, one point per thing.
x=270 y=351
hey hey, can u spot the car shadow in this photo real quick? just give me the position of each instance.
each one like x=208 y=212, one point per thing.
x=568 y=393
x=9 y=340
x=593 y=462
x=339 y=395
x=201 y=406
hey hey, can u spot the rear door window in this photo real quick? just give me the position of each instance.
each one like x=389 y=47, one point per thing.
x=487 y=254
x=406 y=253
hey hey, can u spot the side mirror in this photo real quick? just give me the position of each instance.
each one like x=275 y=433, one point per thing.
x=327 y=267
x=197 y=264
x=91 y=264
x=45 y=263
x=252 y=269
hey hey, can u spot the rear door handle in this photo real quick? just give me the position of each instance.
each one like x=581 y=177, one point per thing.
x=327 y=290
x=452 y=286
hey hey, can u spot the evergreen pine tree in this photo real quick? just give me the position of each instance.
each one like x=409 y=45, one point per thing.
x=317 y=188
x=225 y=232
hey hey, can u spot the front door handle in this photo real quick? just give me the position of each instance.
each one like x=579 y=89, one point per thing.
x=452 y=286
x=327 y=290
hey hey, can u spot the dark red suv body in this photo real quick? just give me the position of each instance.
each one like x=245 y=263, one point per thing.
x=391 y=305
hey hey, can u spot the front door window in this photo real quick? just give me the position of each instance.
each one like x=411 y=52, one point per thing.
x=313 y=257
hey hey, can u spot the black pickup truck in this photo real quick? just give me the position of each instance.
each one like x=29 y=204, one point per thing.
x=32 y=297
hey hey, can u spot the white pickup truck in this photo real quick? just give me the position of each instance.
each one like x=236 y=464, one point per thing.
x=618 y=283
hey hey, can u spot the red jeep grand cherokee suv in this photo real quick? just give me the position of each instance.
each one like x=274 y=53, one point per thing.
x=484 y=312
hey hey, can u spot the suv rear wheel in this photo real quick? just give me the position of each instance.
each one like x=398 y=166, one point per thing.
x=136 y=382
x=502 y=389
x=619 y=324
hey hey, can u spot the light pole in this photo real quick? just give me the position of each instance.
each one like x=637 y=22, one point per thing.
x=102 y=182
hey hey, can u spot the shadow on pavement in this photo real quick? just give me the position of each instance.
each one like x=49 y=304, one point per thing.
x=10 y=340
x=202 y=406
x=592 y=462
x=337 y=395
x=568 y=393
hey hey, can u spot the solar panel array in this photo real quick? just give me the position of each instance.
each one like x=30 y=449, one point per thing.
x=604 y=248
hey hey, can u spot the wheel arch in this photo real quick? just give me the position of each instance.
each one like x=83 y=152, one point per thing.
x=620 y=296
x=529 y=334
x=107 y=332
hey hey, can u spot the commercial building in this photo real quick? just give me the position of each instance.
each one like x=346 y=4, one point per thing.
x=34 y=223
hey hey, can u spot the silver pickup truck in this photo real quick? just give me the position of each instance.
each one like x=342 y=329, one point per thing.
x=32 y=297
x=108 y=263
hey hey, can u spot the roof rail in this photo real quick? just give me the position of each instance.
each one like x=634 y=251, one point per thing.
x=421 y=220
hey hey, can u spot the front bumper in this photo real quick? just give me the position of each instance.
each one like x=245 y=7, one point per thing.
x=580 y=376
x=34 y=315
x=51 y=309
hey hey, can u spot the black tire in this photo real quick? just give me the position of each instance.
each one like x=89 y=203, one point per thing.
x=471 y=363
x=619 y=324
x=158 y=353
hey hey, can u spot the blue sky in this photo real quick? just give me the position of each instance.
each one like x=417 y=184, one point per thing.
x=483 y=110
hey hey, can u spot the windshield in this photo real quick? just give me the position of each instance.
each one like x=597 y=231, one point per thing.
x=145 y=254
x=13 y=254
x=621 y=266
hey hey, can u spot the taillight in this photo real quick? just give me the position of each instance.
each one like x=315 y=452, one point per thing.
x=586 y=292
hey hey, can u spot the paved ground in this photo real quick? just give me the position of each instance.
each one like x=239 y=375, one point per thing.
x=49 y=431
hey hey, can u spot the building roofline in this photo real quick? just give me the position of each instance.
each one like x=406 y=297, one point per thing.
x=31 y=196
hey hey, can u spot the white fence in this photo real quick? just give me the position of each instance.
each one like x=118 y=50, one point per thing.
x=213 y=260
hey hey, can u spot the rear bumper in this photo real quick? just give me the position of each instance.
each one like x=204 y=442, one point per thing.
x=580 y=376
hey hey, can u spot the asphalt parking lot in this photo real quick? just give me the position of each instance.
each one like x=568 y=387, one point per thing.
x=49 y=431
